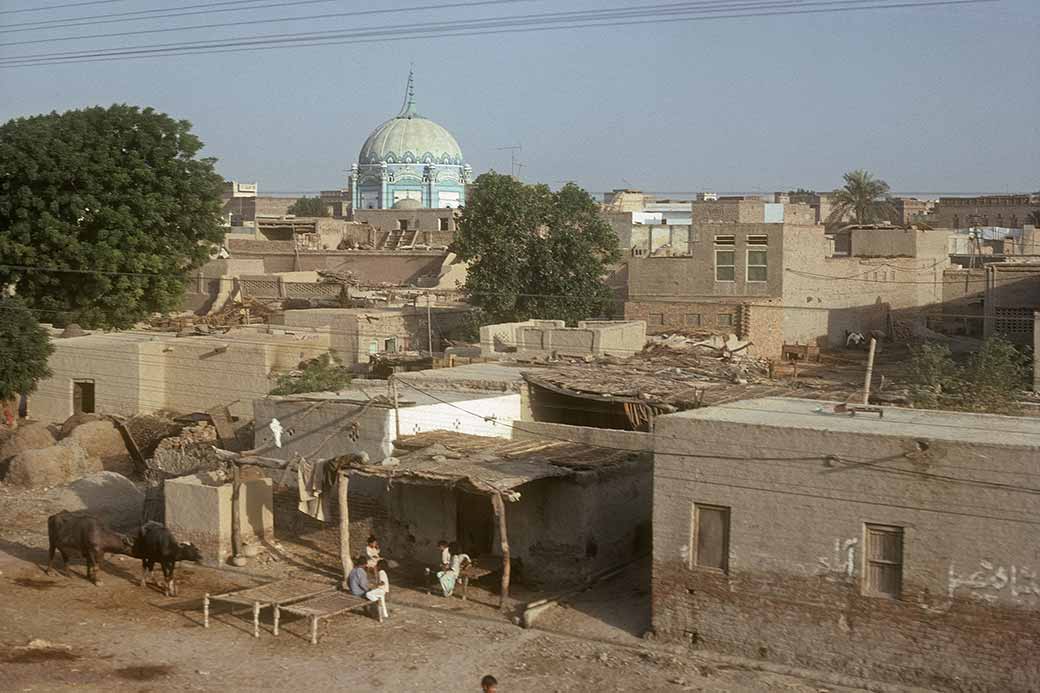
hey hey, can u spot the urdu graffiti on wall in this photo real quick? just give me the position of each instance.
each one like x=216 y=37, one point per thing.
x=844 y=559
x=991 y=582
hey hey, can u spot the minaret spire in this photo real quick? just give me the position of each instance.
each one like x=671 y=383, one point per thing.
x=408 y=109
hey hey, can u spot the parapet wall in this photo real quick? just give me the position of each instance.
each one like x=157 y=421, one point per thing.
x=549 y=337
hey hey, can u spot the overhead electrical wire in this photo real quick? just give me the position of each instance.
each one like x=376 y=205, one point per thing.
x=162 y=13
x=60 y=6
x=394 y=10
x=495 y=26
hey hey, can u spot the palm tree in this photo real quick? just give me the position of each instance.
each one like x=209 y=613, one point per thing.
x=864 y=198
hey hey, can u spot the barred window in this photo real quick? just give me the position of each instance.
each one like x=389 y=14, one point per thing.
x=1014 y=321
x=693 y=319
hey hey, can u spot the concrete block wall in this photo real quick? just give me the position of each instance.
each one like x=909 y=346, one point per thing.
x=199 y=510
x=508 y=334
x=968 y=617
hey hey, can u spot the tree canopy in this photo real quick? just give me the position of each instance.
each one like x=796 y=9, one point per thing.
x=308 y=207
x=116 y=198
x=864 y=198
x=320 y=374
x=24 y=349
x=990 y=381
x=534 y=253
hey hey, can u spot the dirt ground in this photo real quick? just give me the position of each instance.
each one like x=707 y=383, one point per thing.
x=121 y=637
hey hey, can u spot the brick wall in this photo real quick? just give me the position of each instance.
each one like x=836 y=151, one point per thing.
x=968 y=614
x=988 y=210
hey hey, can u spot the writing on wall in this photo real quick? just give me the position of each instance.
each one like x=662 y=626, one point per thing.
x=992 y=582
x=843 y=560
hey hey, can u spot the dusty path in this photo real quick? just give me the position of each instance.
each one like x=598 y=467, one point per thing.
x=120 y=637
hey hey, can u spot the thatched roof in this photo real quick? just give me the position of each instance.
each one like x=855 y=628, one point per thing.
x=491 y=465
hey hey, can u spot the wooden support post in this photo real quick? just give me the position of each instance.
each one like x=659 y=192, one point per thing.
x=314 y=630
x=256 y=619
x=870 y=371
x=277 y=617
x=236 y=515
x=397 y=411
x=205 y=610
x=500 y=515
x=342 y=489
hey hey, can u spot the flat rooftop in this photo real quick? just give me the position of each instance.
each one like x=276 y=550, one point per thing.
x=815 y=415
x=407 y=397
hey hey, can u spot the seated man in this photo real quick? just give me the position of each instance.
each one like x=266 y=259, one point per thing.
x=357 y=581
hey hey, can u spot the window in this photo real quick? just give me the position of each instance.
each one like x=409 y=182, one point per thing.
x=757 y=258
x=82 y=396
x=390 y=345
x=443 y=224
x=693 y=319
x=1014 y=320
x=883 y=561
x=709 y=537
x=402 y=224
x=656 y=319
x=726 y=319
x=725 y=265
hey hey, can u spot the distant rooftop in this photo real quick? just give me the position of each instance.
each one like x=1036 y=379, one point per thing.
x=787 y=413
x=407 y=397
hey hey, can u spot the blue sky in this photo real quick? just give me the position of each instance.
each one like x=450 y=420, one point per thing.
x=943 y=99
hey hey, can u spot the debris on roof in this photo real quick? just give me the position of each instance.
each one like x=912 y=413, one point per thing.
x=491 y=465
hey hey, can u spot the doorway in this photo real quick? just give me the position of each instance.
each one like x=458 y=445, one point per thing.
x=475 y=523
x=82 y=396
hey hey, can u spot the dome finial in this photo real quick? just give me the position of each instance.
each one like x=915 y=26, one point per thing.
x=408 y=109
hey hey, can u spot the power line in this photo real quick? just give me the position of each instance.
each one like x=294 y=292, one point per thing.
x=505 y=25
x=330 y=15
x=157 y=13
x=545 y=435
x=718 y=5
x=60 y=6
x=551 y=17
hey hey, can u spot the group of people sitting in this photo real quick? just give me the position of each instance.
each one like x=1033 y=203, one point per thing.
x=453 y=562
x=369 y=577
x=371 y=565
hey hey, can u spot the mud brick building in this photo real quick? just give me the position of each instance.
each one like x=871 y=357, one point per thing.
x=900 y=548
x=775 y=283
x=1010 y=211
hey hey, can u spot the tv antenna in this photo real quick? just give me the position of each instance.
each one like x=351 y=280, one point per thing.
x=514 y=163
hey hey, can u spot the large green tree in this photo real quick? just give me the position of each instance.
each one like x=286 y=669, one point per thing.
x=863 y=198
x=103 y=211
x=308 y=207
x=534 y=253
x=24 y=348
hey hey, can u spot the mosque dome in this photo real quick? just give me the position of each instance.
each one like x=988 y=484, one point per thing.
x=409 y=162
x=408 y=138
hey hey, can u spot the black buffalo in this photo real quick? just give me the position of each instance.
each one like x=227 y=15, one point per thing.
x=81 y=531
x=156 y=544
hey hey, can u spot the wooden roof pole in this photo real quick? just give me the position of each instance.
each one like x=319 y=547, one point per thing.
x=500 y=515
x=344 y=525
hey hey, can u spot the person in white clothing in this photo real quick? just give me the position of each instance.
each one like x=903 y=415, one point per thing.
x=372 y=550
x=378 y=593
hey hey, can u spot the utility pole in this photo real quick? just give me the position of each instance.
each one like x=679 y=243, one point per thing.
x=429 y=324
x=514 y=164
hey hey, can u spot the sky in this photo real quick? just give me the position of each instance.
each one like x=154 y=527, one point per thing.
x=931 y=99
